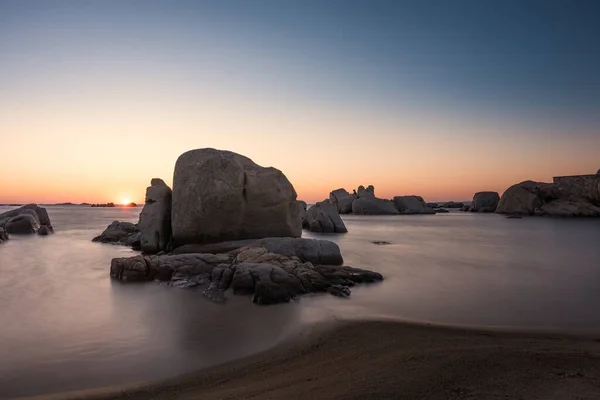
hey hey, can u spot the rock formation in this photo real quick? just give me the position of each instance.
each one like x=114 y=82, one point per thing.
x=452 y=204
x=25 y=220
x=341 y=199
x=485 y=202
x=538 y=198
x=221 y=195
x=324 y=217
x=432 y=205
x=270 y=277
x=155 y=219
x=412 y=205
x=124 y=233
x=302 y=207
x=366 y=203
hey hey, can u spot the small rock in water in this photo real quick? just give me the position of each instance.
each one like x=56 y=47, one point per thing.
x=380 y=242
x=514 y=217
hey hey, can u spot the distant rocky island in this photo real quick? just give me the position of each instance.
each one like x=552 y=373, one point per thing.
x=132 y=204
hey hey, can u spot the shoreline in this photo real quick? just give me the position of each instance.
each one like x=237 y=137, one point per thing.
x=381 y=359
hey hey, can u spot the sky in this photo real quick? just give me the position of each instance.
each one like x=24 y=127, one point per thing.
x=435 y=98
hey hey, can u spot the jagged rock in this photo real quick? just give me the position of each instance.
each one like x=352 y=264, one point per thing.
x=341 y=199
x=412 y=205
x=155 y=219
x=324 y=217
x=485 y=202
x=26 y=219
x=271 y=278
x=373 y=206
x=369 y=192
x=3 y=235
x=124 y=233
x=452 y=204
x=221 y=196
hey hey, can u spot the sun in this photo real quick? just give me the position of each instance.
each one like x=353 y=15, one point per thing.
x=125 y=202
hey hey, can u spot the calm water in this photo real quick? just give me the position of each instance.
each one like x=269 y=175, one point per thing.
x=65 y=326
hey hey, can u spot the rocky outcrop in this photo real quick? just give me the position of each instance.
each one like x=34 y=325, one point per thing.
x=485 y=202
x=373 y=206
x=155 y=219
x=342 y=200
x=369 y=192
x=269 y=277
x=307 y=250
x=3 y=235
x=220 y=196
x=324 y=217
x=26 y=220
x=412 y=205
x=539 y=198
x=123 y=233
x=452 y=204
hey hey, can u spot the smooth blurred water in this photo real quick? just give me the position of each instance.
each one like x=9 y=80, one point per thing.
x=64 y=325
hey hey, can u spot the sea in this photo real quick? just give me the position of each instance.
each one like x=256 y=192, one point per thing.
x=66 y=326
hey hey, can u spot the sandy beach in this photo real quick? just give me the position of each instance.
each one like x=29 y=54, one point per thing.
x=393 y=360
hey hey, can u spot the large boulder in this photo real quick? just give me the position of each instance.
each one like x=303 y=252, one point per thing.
x=220 y=195
x=324 y=217
x=373 y=206
x=22 y=224
x=369 y=192
x=342 y=200
x=26 y=219
x=155 y=219
x=526 y=198
x=485 y=202
x=124 y=233
x=412 y=205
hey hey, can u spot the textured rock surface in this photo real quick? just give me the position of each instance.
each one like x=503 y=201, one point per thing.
x=485 y=202
x=155 y=219
x=221 y=195
x=412 y=205
x=567 y=208
x=308 y=250
x=302 y=207
x=124 y=233
x=271 y=278
x=373 y=206
x=369 y=192
x=324 y=217
x=3 y=235
x=341 y=199
x=26 y=219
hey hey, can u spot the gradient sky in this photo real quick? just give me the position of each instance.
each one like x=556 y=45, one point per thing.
x=435 y=98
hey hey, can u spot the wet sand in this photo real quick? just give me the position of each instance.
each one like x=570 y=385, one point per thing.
x=392 y=360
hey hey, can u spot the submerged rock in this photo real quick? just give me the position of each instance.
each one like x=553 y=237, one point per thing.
x=271 y=278
x=485 y=202
x=342 y=200
x=412 y=205
x=220 y=196
x=155 y=219
x=124 y=233
x=324 y=217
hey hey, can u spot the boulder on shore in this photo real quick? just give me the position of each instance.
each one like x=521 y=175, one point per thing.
x=25 y=220
x=485 y=202
x=155 y=219
x=270 y=277
x=220 y=196
x=124 y=233
x=412 y=205
x=341 y=199
x=324 y=217
x=539 y=198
